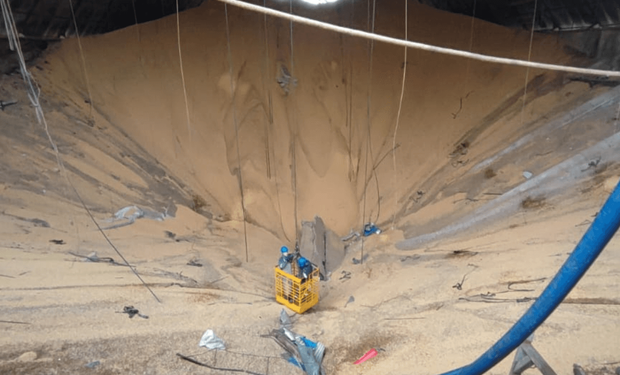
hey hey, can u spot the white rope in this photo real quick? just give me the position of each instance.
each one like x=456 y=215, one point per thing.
x=189 y=130
x=33 y=95
x=471 y=43
x=420 y=46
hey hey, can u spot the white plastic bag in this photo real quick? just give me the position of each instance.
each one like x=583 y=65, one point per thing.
x=210 y=341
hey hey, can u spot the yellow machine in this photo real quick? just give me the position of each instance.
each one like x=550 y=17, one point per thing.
x=297 y=294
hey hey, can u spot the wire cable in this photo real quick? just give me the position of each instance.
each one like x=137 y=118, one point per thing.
x=234 y=113
x=527 y=77
x=371 y=25
x=266 y=78
x=33 y=95
x=135 y=17
x=79 y=40
x=400 y=106
x=420 y=46
x=529 y=57
x=294 y=128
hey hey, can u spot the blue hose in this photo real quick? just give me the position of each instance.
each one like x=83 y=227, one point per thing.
x=591 y=245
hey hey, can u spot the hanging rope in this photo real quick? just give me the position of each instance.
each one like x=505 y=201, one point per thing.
x=79 y=40
x=135 y=17
x=529 y=57
x=617 y=117
x=294 y=129
x=33 y=95
x=266 y=77
x=471 y=40
x=348 y=95
x=234 y=113
x=420 y=46
x=527 y=73
x=400 y=106
x=189 y=131
x=371 y=25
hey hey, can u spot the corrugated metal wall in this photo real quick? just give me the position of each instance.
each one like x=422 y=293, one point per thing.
x=551 y=15
x=51 y=19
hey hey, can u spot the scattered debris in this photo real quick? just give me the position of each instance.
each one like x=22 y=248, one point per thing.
x=455 y=114
x=35 y=221
x=345 y=275
x=592 y=164
x=459 y=163
x=210 y=341
x=593 y=81
x=40 y=223
x=369 y=354
x=4 y=104
x=351 y=300
x=27 y=357
x=350 y=236
x=526 y=357
x=467 y=199
x=459 y=286
x=489 y=173
x=285 y=320
x=285 y=80
x=490 y=298
x=170 y=234
x=578 y=370
x=188 y=282
x=196 y=362
x=173 y=236
x=462 y=253
x=58 y=242
x=527 y=174
x=132 y=311
x=12 y=322
x=92 y=257
x=132 y=213
x=358 y=261
x=92 y=364
x=533 y=202
x=460 y=150
x=300 y=351
x=418 y=196
x=195 y=263
x=410 y=257
x=511 y=283
x=198 y=203
x=370 y=229
x=585 y=222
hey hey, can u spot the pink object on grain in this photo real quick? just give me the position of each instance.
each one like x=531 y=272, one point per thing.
x=370 y=354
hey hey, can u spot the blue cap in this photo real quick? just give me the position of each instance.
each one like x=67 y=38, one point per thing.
x=302 y=261
x=284 y=249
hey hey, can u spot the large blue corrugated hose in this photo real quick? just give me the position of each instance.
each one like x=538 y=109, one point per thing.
x=591 y=245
